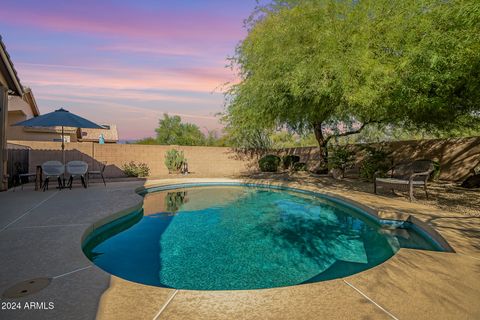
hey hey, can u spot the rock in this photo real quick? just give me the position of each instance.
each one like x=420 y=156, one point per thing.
x=472 y=182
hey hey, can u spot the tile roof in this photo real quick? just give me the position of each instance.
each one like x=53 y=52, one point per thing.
x=110 y=133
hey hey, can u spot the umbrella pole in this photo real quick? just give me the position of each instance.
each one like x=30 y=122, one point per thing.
x=63 y=146
x=63 y=154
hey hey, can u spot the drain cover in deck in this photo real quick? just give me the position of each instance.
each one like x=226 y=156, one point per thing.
x=26 y=288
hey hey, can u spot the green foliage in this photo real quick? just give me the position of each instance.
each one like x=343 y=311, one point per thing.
x=133 y=169
x=341 y=157
x=436 y=170
x=213 y=139
x=174 y=160
x=147 y=141
x=289 y=160
x=269 y=163
x=171 y=131
x=300 y=166
x=288 y=139
x=439 y=66
x=376 y=160
x=333 y=66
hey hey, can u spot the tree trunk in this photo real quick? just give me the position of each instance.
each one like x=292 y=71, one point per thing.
x=322 y=145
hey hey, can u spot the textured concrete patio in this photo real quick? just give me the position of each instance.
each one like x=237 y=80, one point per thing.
x=40 y=236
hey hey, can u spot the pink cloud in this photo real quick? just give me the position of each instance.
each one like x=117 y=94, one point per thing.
x=124 y=22
x=150 y=50
x=132 y=122
x=183 y=79
x=108 y=93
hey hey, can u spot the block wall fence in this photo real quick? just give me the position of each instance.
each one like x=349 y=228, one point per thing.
x=457 y=157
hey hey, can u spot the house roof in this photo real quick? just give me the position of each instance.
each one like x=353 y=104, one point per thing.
x=30 y=99
x=16 y=103
x=8 y=70
x=110 y=133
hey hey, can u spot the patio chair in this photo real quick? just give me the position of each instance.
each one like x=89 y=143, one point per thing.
x=98 y=172
x=53 y=169
x=77 y=169
x=406 y=176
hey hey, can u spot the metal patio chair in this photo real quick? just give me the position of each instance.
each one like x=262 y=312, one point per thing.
x=77 y=169
x=406 y=176
x=98 y=173
x=54 y=169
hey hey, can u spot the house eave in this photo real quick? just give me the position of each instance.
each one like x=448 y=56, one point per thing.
x=8 y=70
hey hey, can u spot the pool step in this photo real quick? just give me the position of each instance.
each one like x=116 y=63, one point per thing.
x=403 y=233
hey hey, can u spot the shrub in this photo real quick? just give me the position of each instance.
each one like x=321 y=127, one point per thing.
x=132 y=169
x=376 y=160
x=289 y=161
x=300 y=166
x=174 y=160
x=341 y=158
x=269 y=163
x=436 y=171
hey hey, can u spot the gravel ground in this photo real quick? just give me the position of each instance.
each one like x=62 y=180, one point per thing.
x=443 y=195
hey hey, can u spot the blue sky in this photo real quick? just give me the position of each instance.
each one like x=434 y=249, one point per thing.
x=126 y=62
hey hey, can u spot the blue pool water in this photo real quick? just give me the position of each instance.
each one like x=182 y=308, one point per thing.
x=234 y=237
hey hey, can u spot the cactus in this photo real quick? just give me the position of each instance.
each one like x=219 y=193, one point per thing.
x=174 y=160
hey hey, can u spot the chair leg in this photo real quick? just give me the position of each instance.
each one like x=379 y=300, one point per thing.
x=411 y=192
x=60 y=186
x=84 y=184
x=375 y=187
x=45 y=184
x=103 y=178
x=70 y=182
x=425 y=188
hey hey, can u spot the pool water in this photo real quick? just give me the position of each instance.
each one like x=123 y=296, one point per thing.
x=231 y=238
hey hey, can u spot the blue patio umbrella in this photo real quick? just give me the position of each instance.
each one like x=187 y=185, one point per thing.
x=59 y=118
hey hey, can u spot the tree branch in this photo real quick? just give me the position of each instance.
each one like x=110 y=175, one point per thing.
x=348 y=133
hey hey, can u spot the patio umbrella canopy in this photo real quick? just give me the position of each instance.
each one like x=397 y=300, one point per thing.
x=59 y=118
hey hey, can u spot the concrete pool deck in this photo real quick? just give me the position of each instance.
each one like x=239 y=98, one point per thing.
x=40 y=236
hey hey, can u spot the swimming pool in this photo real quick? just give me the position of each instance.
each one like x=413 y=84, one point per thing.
x=233 y=237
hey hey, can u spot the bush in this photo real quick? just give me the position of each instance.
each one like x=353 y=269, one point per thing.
x=341 y=158
x=375 y=160
x=174 y=160
x=436 y=171
x=132 y=169
x=289 y=161
x=269 y=163
x=300 y=166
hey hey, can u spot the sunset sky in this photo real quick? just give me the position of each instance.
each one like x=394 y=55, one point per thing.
x=126 y=62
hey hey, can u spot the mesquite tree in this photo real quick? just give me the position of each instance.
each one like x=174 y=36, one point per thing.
x=333 y=67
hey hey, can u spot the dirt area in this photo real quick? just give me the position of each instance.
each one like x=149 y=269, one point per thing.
x=446 y=196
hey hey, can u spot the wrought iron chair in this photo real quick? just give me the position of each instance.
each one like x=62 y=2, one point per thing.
x=98 y=172
x=406 y=176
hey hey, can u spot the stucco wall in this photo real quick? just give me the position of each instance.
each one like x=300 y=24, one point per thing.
x=202 y=161
x=456 y=156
